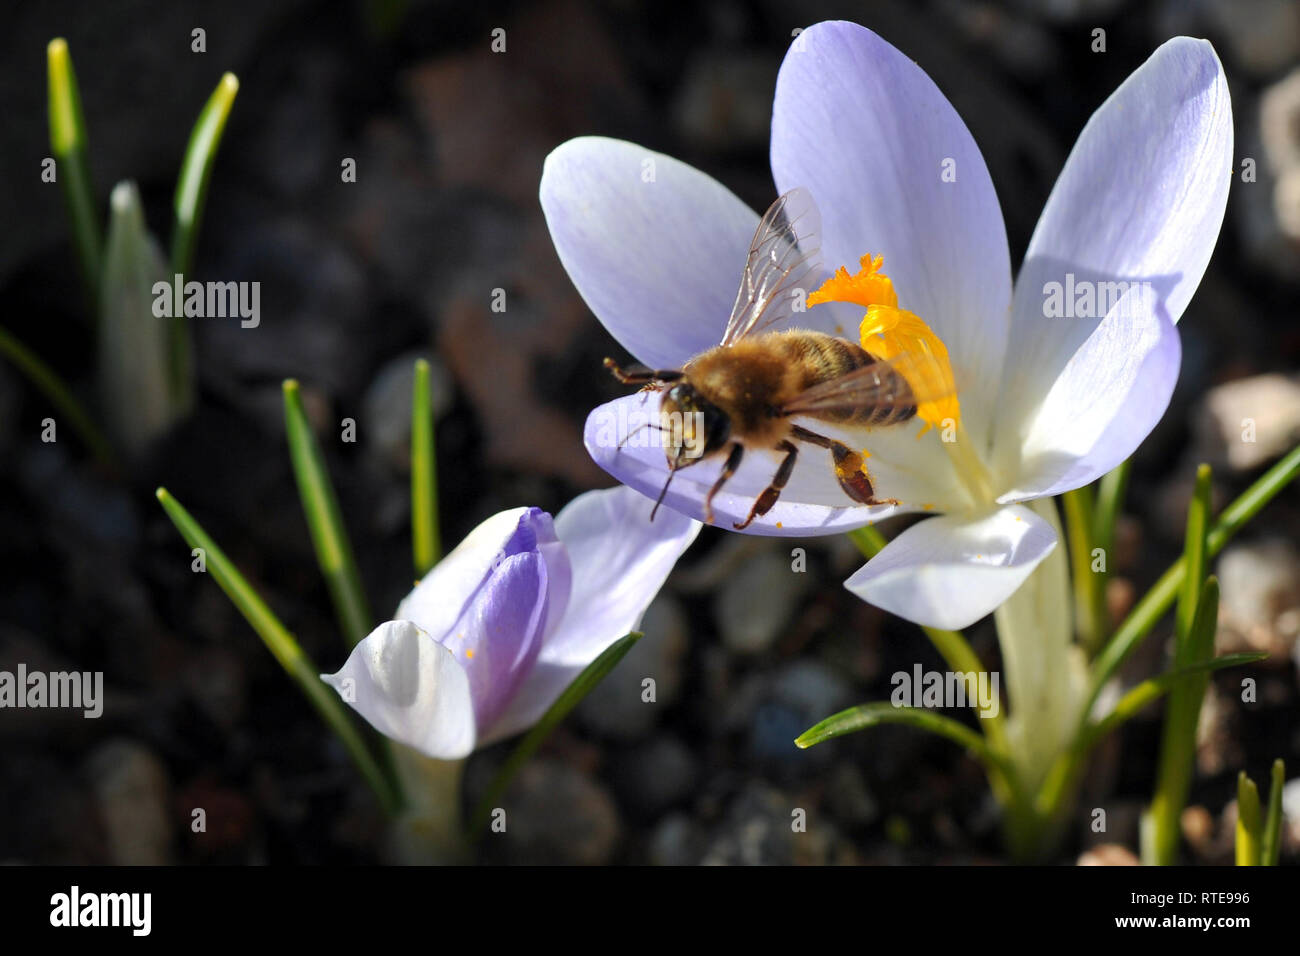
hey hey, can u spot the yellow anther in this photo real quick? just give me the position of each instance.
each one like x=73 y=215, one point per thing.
x=891 y=333
x=869 y=287
x=920 y=357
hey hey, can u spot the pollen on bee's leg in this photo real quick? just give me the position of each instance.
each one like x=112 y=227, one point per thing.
x=851 y=471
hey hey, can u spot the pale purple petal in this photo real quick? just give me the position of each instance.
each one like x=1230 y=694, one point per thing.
x=861 y=126
x=1140 y=200
x=917 y=472
x=641 y=465
x=620 y=560
x=1106 y=401
x=442 y=595
x=950 y=571
x=657 y=261
x=410 y=688
x=498 y=637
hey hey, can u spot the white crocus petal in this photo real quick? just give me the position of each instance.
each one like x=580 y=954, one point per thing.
x=1109 y=397
x=1044 y=671
x=812 y=504
x=655 y=247
x=1140 y=200
x=437 y=601
x=620 y=560
x=950 y=571
x=410 y=688
x=896 y=173
x=917 y=472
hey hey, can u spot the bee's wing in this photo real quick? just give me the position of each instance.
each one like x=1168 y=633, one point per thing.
x=784 y=264
x=884 y=384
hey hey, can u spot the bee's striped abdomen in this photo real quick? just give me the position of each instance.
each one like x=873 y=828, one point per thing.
x=826 y=357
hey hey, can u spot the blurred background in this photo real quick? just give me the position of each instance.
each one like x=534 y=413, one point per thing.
x=360 y=278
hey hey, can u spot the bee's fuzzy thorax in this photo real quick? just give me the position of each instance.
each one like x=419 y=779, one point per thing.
x=752 y=379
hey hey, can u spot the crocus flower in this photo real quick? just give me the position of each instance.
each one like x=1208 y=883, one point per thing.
x=1058 y=380
x=500 y=627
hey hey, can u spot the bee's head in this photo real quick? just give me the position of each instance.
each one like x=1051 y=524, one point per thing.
x=692 y=427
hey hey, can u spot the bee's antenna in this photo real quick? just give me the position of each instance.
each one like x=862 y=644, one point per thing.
x=628 y=436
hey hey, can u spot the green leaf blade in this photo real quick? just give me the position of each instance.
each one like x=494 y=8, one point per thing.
x=1271 y=849
x=1162 y=828
x=1248 y=821
x=284 y=648
x=1152 y=689
x=951 y=645
x=1152 y=607
x=867 y=540
x=59 y=394
x=68 y=142
x=187 y=211
x=1111 y=490
x=581 y=686
x=866 y=716
x=426 y=542
x=1194 y=560
x=325 y=521
x=196 y=172
x=1091 y=612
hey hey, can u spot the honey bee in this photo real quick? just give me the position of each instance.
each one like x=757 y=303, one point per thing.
x=747 y=390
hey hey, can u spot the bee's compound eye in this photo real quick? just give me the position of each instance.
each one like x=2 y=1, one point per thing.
x=717 y=429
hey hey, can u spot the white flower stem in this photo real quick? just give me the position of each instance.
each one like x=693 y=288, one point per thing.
x=430 y=828
x=1045 y=677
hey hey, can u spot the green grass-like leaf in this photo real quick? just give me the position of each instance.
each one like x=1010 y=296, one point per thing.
x=1154 y=688
x=325 y=521
x=865 y=716
x=196 y=172
x=1059 y=779
x=68 y=142
x=1178 y=743
x=285 y=648
x=1111 y=489
x=59 y=394
x=1193 y=643
x=1152 y=607
x=1248 y=821
x=1271 y=849
x=1089 y=586
x=187 y=213
x=1194 y=559
x=426 y=542
x=582 y=685
x=951 y=645
x=867 y=540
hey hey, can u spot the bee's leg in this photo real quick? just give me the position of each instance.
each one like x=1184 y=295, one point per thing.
x=640 y=375
x=850 y=469
x=728 y=469
x=763 y=503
